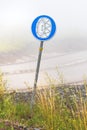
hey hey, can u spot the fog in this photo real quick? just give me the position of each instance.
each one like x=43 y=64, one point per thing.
x=19 y=49
x=15 y=26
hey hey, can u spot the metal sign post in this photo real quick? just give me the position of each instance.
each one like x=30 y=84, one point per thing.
x=37 y=73
x=43 y=28
x=38 y=64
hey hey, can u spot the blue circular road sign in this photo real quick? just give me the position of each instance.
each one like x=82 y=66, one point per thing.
x=43 y=27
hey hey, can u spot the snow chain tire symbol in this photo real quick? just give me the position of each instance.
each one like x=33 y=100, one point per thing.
x=43 y=27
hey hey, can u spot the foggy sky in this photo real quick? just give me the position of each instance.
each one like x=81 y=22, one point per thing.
x=16 y=18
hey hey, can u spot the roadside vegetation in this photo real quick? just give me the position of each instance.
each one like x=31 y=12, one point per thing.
x=56 y=108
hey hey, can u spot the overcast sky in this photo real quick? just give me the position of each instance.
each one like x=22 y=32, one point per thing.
x=16 y=17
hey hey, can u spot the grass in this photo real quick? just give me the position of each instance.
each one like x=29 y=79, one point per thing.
x=55 y=109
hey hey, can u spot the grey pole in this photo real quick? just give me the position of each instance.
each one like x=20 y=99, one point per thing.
x=37 y=73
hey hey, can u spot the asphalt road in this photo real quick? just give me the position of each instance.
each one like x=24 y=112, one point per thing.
x=71 y=66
